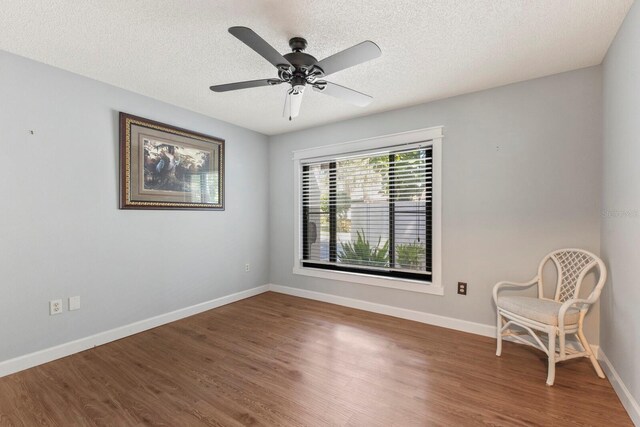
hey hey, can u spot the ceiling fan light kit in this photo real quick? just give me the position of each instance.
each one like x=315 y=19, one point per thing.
x=299 y=70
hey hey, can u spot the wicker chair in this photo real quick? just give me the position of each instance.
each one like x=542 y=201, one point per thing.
x=558 y=317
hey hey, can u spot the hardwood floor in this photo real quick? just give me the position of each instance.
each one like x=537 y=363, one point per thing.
x=279 y=360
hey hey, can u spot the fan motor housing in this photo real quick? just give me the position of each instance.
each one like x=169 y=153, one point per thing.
x=300 y=60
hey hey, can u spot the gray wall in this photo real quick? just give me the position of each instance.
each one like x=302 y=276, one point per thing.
x=61 y=233
x=521 y=176
x=621 y=203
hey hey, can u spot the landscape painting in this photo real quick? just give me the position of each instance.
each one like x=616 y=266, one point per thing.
x=165 y=167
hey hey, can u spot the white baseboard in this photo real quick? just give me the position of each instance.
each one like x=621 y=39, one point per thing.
x=49 y=354
x=627 y=399
x=403 y=313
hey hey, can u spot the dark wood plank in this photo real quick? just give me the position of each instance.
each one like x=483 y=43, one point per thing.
x=279 y=360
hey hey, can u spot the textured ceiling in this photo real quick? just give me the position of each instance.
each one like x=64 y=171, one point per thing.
x=173 y=50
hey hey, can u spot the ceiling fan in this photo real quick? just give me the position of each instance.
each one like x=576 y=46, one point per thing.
x=300 y=69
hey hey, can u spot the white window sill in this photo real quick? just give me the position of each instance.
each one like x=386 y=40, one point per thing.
x=369 y=279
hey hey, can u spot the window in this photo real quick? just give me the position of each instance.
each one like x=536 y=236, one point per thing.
x=369 y=212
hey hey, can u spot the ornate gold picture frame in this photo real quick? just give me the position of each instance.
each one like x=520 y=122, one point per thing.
x=166 y=167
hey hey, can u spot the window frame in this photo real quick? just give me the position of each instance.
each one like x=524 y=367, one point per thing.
x=420 y=138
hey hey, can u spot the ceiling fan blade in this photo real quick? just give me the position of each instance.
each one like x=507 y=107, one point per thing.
x=245 y=85
x=258 y=44
x=355 y=55
x=292 y=104
x=344 y=93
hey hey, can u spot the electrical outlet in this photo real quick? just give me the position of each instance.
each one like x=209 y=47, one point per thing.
x=55 y=306
x=462 y=288
x=74 y=303
x=247 y=267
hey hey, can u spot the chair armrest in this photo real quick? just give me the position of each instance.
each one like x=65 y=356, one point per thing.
x=568 y=304
x=505 y=284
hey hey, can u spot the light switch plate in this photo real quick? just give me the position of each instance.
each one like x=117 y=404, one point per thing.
x=74 y=303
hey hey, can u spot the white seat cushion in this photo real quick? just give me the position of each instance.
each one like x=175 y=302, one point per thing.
x=540 y=310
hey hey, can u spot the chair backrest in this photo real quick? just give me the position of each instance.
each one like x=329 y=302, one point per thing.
x=572 y=265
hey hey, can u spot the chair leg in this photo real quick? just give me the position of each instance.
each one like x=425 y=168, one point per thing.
x=551 y=375
x=592 y=357
x=499 y=335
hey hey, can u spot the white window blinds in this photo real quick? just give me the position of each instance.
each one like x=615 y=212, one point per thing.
x=369 y=212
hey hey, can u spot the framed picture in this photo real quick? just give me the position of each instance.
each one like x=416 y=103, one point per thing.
x=165 y=167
